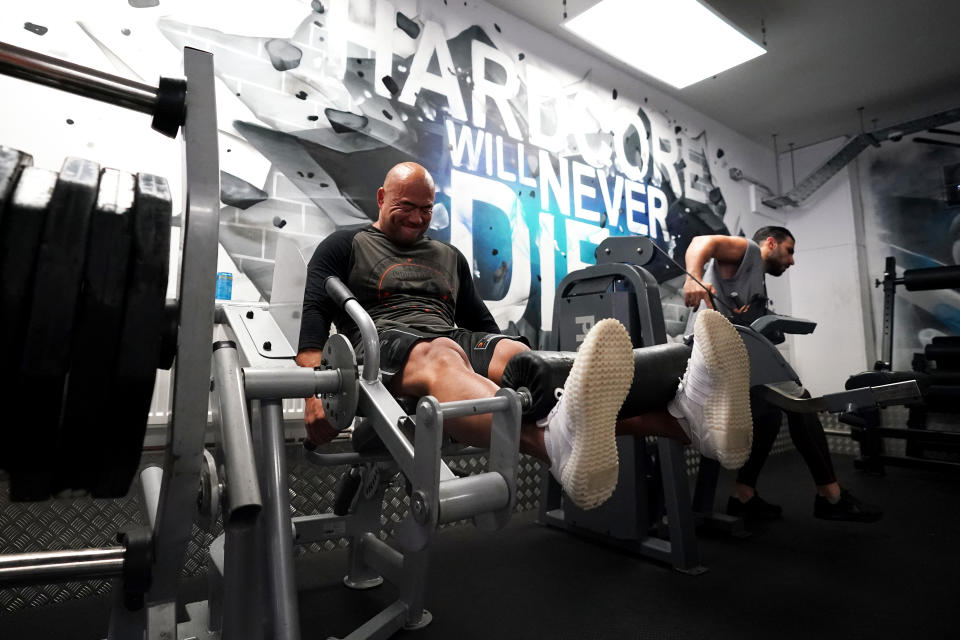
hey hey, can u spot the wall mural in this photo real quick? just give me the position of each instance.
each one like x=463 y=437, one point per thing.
x=535 y=164
x=911 y=197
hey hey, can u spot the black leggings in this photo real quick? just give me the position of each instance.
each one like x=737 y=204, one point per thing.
x=805 y=431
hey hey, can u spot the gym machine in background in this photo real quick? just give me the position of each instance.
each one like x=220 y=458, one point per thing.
x=937 y=372
x=650 y=482
x=652 y=488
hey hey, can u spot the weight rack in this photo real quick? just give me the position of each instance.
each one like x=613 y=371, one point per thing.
x=173 y=103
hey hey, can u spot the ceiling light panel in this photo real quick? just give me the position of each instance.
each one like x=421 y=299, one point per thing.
x=677 y=41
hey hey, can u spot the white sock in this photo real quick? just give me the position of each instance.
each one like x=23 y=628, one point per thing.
x=557 y=438
x=692 y=391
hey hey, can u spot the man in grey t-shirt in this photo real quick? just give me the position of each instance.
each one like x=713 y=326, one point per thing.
x=734 y=270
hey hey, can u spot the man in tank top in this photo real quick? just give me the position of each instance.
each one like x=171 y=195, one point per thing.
x=734 y=269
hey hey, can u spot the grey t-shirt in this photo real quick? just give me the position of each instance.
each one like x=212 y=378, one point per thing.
x=747 y=286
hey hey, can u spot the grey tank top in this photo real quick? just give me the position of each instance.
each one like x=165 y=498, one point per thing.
x=747 y=286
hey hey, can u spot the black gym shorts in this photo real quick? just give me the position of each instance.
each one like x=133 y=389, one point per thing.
x=395 y=346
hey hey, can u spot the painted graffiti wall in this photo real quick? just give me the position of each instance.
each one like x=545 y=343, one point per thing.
x=538 y=150
x=911 y=201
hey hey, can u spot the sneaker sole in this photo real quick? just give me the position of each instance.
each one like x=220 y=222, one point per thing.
x=726 y=413
x=596 y=387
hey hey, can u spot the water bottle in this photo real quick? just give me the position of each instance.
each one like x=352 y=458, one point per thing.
x=224 y=285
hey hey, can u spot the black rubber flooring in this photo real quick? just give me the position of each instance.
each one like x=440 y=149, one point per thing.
x=796 y=578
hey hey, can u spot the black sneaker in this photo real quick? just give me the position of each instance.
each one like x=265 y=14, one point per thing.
x=848 y=508
x=756 y=509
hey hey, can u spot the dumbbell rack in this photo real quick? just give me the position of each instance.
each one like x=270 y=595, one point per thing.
x=173 y=103
x=925 y=448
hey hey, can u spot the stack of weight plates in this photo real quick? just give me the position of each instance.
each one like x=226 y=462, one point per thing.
x=83 y=275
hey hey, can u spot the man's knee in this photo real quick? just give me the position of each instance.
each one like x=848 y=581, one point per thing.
x=502 y=352
x=507 y=348
x=430 y=359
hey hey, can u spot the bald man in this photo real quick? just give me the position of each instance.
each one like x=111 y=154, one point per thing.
x=438 y=338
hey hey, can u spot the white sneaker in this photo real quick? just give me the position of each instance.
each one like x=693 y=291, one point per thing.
x=580 y=431
x=712 y=403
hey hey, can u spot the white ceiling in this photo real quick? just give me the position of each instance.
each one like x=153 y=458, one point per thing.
x=897 y=59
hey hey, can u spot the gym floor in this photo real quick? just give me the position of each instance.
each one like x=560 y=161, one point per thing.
x=796 y=578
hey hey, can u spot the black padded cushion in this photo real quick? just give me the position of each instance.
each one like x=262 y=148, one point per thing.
x=945 y=354
x=657 y=371
x=925 y=380
x=877 y=378
x=940 y=391
x=541 y=372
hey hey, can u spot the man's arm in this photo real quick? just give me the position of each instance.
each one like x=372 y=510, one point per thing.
x=728 y=251
x=318 y=429
x=471 y=313
x=310 y=358
x=331 y=258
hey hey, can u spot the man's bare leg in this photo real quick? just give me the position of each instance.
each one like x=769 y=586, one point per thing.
x=440 y=368
x=577 y=438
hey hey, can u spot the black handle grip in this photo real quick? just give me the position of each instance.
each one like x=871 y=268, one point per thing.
x=338 y=291
x=932 y=279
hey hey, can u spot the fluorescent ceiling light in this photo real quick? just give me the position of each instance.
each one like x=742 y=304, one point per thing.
x=677 y=41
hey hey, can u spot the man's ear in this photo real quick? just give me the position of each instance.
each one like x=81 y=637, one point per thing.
x=381 y=194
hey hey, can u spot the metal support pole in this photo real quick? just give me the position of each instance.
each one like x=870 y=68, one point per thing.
x=683 y=538
x=424 y=508
x=889 y=291
x=504 y=456
x=151 y=479
x=242 y=580
x=706 y=488
x=461 y=408
x=297 y=382
x=342 y=296
x=371 y=344
x=243 y=495
x=381 y=557
x=381 y=408
x=73 y=78
x=166 y=103
x=42 y=567
x=281 y=584
x=776 y=164
x=463 y=498
x=197 y=289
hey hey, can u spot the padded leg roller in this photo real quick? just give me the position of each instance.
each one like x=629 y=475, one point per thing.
x=657 y=372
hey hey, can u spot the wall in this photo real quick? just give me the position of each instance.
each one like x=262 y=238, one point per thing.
x=912 y=205
x=897 y=199
x=826 y=280
x=316 y=100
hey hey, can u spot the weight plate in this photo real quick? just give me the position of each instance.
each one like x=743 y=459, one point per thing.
x=12 y=163
x=340 y=407
x=20 y=231
x=138 y=355
x=49 y=332
x=90 y=382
